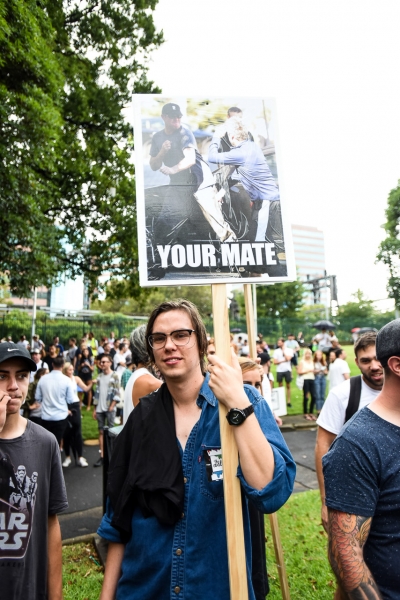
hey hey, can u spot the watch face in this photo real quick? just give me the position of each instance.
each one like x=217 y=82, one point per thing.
x=236 y=417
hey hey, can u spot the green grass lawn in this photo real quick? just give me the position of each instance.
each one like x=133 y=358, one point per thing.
x=82 y=573
x=297 y=395
x=304 y=544
x=90 y=430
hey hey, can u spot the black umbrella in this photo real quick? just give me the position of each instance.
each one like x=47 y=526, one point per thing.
x=236 y=330
x=324 y=325
x=365 y=329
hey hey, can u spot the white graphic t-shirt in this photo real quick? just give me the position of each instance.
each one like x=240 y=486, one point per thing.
x=31 y=488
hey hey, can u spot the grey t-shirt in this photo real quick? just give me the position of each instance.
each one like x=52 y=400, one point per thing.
x=104 y=381
x=31 y=488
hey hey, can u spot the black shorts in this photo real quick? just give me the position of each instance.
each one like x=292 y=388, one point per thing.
x=285 y=375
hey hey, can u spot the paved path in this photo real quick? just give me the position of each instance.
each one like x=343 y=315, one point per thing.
x=301 y=444
x=84 y=490
x=84 y=486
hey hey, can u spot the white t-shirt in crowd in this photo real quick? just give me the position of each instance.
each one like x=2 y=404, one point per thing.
x=128 y=404
x=333 y=412
x=103 y=383
x=40 y=365
x=266 y=389
x=285 y=365
x=336 y=372
x=118 y=358
x=23 y=343
x=324 y=340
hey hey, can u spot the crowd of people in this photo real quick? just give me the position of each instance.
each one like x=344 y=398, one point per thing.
x=165 y=505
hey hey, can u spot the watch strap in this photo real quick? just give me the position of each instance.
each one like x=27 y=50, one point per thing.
x=249 y=410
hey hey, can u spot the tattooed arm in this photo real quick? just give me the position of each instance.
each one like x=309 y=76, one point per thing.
x=347 y=536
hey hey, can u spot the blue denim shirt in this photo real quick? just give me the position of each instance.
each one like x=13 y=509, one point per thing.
x=189 y=561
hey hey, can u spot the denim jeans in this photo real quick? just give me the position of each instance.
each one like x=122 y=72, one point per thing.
x=320 y=386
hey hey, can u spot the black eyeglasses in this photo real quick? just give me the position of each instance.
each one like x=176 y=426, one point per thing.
x=180 y=337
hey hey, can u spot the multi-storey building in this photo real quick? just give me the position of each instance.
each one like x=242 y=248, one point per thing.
x=309 y=252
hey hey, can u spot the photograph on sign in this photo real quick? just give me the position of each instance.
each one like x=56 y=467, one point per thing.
x=209 y=198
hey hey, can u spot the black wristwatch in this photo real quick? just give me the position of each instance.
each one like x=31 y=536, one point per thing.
x=237 y=416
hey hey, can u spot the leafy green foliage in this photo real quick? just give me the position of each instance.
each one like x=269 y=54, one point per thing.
x=389 y=250
x=68 y=200
x=359 y=310
x=144 y=303
x=280 y=300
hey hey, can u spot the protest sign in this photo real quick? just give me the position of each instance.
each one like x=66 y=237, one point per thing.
x=210 y=209
x=209 y=192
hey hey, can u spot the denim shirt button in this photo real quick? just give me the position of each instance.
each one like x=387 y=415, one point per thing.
x=185 y=480
x=178 y=552
x=182 y=515
x=177 y=589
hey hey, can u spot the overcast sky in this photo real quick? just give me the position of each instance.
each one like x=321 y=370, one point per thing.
x=333 y=68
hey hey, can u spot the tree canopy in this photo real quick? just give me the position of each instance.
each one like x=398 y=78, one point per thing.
x=144 y=303
x=359 y=309
x=389 y=250
x=280 y=300
x=67 y=199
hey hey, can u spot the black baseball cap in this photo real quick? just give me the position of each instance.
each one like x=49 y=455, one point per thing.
x=10 y=350
x=265 y=357
x=388 y=341
x=171 y=110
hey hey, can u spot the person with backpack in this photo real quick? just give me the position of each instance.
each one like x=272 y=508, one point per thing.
x=344 y=401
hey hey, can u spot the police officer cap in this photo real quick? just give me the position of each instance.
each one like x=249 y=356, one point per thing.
x=388 y=341
x=171 y=110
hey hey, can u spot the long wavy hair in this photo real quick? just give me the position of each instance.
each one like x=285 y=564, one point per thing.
x=197 y=324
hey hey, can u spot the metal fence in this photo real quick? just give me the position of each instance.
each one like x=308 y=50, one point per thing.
x=17 y=322
x=272 y=329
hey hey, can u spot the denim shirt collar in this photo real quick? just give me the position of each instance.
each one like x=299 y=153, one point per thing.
x=206 y=393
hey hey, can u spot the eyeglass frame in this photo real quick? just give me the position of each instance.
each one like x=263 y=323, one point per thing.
x=167 y=335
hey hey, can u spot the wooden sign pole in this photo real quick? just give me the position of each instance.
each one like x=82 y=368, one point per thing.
x=232 y=493
x=273 y=519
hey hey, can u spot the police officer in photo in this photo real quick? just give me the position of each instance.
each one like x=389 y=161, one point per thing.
x=174 y=152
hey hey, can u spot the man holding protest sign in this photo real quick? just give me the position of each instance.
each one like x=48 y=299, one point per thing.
x=165 y=517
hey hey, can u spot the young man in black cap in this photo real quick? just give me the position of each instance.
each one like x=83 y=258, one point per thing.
x=362 y=483
x=32 y=490
x=174 y=152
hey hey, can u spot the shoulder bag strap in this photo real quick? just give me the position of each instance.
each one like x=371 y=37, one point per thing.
x=354 y=398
